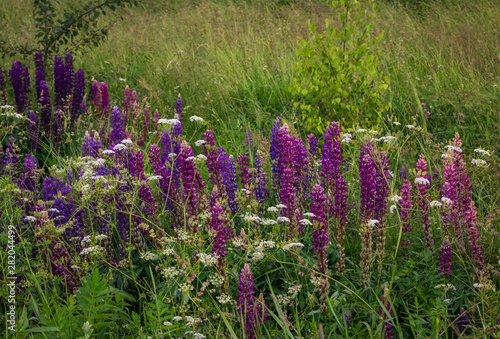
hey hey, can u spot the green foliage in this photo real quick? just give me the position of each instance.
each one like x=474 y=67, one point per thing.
x=337 y=72
x=73 y=29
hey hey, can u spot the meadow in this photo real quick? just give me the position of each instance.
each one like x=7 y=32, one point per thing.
x=164 y=184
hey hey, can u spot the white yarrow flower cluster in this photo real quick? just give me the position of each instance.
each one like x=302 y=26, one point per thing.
x=346 y=138
x=453 y=148
x=361 y=130
x=281 y=206
x=108 y=151
x=446 y=201
x=199 y=142
x=393 y=208
x=190 y=158
x=292 y=245
x=30 y=218
x=396 y=123
x=127 y=142
x=148 y=256
x=436 y=204
x=396 y=198
x=223 y=298
x=264 y=245
x=283 y=219
x=305 y=222
x=410 y=126
x=421 y=181
x=93 y=250
x=268 y=222
x=155 y=177
x=446 y=287
x=482 y=151
x=169 y=121
x=208 y=259
x=201 y=157
x=120 y=147
x=250 y=217
x=372 y=223
x=478 y=162
x=257 y=256
x=272 y=209
x=195 y=118
x=309 y=214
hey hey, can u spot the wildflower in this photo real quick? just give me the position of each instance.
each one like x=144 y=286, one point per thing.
x=108 y=151
x=422 y=181
x=410 y=126
x=201 y=157
x=445 y=258
x=257 y=256
x=445 y=155
x=289 y=246
x=167 y=323
x=283 y=219
x=169 y=121
x=120 y=147
x=127 y=142
x=176 y=318
x=191 y=158
x=478 y=162
x=435 y=204
x=195 y=118
x=396 y=123
x=309 y=214
x=393 y=208
x=223 y=298
x=281 y=206
x=482 y=151
x=305 y=222
x=208 y=259
x=454 y=148
x=406 y=207
x=361 y=130
x=446 y=201
x=396 y=198
x=199 y=142
x=372 y=223
x=30 y=218
x=121 y=79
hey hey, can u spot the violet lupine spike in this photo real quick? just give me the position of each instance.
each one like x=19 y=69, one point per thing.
x=341 y=213
x=57 y=127
x=383 y=315
x=462 y=319
x=156 y=118
x=221 y=237
x=70 y=76
x=312 y=142
x=474 y=241
x=445 y=258
x=367 y=187
x=166 y=184
x=244 y=174
x=3 y=93
x=261 y=190
x=381 y=198
x=253 y=316
x=116 y=126
x=88 y=146
x=39 y=72
x=33 y=132
x=229 y=179
x=60 y=84
x=211 y=153
x=285 y=148
x=402 y=173
x=127 y=104
x=423 y=198
x=171 y=144
x=26 y=83
x=300 y=163
x=320 y=233
x=104 y=99
x=187 y=170
x=177 y=128
x=78 y=93
x=45 y=108
x=331 y=158
x=28 y=178
x=20 y=95
x=406 y=208
x=274 y=154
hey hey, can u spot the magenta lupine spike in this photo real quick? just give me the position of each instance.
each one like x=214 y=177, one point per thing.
x=406 y=208
x=445 y=258
x=191 y=191
x=320 y=233
x=341 y=212
x=211 y=153
x=20 y=95
x=156 y=118
x=381 y=198
x=367 y=187
x=383 y=315
x=134 y=104
x=33 y=132
x=423 y=198
x=127 y=105
x=104 y=99
x=222 y=232
x=474 y=241
x=253 y=314
x=331 y=158
x=45 y=107
x=95 y=95
x=244 y=174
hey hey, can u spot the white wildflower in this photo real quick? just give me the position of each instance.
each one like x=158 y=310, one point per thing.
x=93 y=249
x=361 y=130
x=396 y=123
x=199 y=142
x=53 y=210
x=446 y=201
x=373 y=132
x=391 y=173
x=169 y=121
x=268 y=222
x=387 y=138
x=447 y=301
x=208 y=259
x=201 y=157
x=309 y=214
x=16 y=190
x=100 y=237
x=393 y=208
x=108 y=151
x=396 y=198
x=421 y=181
x=283 y=219
x=167 y=323
x=120 y=147
x=30 y=218
x=454 y=148
x=436 y=204
x=155 y=177
x=478 y=162
x=445 y=155
x=121 y=79
x=257 y=256
x=446 y=287
x=482 y=151
x=223 y=298
x=272 y=209
x=372 y=223
x=172 y=155
x=170 y=272
x=305 y=222
x=346 y=140
x=292 y=245
x=346 y=135
x=127 y=142
x=176 y=318
x=280 y=206
x=148 y=256
x=410 y=126
x=190 y=158
x=195 y=118
x=250 y=217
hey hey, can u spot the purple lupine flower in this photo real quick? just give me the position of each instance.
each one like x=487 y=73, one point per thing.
x=320 y=233
x=104 y=99
x=156 y=118
x=222 y=232
x=78 y=93
x=274 y=154
x=288 y=199
x=312 y=141
x=383 y=315
x=347 y=319
x=45 y=107
x=253 y=316
x=26 y=83
x=3 y=93
x=406 y=207
x=167 y=186
x=402 y=173
x=95 y=95
x=70 y=76
x=474 y=241
x=146 y=121
x=213 y=164
x=462 y=320
x=57 y=127
x=33 y=132
x=116 y=126
x=423 y=198
x=285 y=148
x=367 y=183
x=9 y=160
x=341 y=212
x=60 y=84
x=244 y=174
x=381 y=198
x=229 y=178
x=127 y=105
x=331 y=158
x=187 y=170
x=87 y=145
x=20 y=95
x=28 y=178
x=445 y=258
x=301 y=168
x=261 y=190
